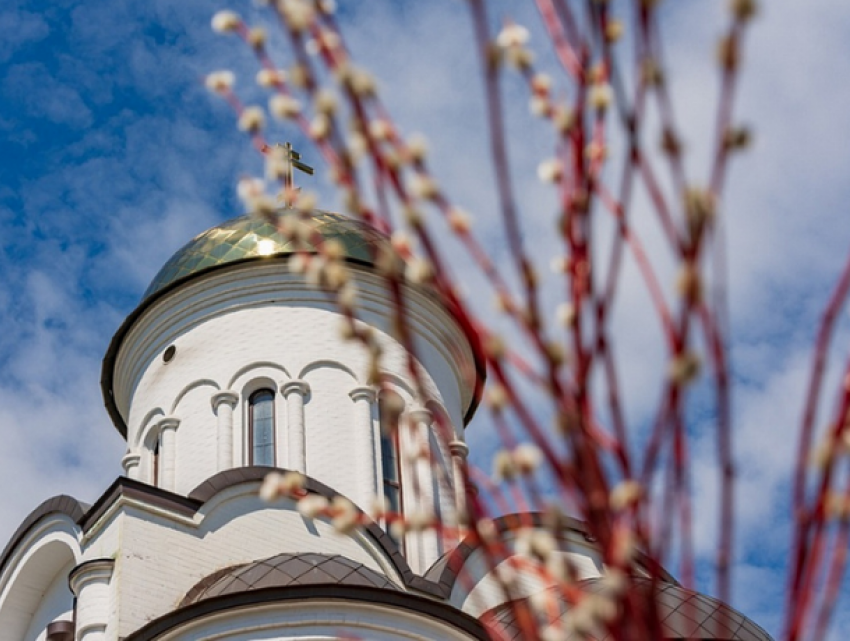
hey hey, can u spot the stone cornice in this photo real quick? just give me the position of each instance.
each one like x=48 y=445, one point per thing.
x=363 y=393
x=294 y=386
x=224 y=396
x=93 y=570
x=186 y=305
x=168 y=423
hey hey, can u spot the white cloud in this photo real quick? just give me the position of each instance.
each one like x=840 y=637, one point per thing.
x=20 y=28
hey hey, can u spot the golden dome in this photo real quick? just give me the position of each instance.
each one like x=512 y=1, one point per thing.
x=250 y=237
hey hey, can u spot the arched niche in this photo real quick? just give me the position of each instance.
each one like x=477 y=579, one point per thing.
x=36 y=591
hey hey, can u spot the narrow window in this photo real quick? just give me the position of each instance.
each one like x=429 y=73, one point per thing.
x=155 y=470
x=390 y=406
x=392 y=482
x=261 y=430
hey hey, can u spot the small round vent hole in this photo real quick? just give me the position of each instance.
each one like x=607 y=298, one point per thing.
x=169 y=353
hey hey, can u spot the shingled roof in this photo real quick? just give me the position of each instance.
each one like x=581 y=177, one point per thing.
x=286 y=570
x=683 y=614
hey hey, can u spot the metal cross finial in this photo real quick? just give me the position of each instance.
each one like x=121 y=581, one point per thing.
x=293 y=159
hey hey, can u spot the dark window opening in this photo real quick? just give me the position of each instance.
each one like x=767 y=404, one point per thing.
x=390 y=406
x=155 y=471
x=261 y=428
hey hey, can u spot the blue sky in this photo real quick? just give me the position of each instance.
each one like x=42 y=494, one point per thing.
x=112 y=155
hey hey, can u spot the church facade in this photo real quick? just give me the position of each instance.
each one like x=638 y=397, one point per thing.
x=232 y=367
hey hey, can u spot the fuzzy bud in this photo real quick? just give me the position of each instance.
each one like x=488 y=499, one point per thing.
x=541 y=84
x=312 y=506
x=550 y=171
x=503 y=466
x=527 y=458
x=320 y=127
x=613 y=30
x=269 y=78
x=297 y=13
x=270 y=488
x=743 y=10
x=251 y=120
x=539 y=106
x=699 y=210
x=306 y=201
x=689 y=283
x=497 y=398
x=379 y=507
x=257 y=37
x=684 y=368
x=494 y=346
x=226 y=22
x=737 y=138
x=362 y=83
x=380 y=130
x=600 y=96
x=512 y=35
x=249 y=189
x=219 y=82
x=326 y=102
x=419 y=270
x=345 y=515
x=420 y=520
x=424 y=187
x=625 y=494
x=459 y=221
x=417 y=148
x=327 y=7
x=284 y=107
x=566 y=314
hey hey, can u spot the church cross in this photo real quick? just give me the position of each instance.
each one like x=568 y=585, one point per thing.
x=293 y=159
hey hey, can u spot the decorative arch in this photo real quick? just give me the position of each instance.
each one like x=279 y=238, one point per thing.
x=400 y=385
x=240 y=374
x=203 y=382
x=221 y=489
x=149 y=463
x=146 y=425
x=329 y=364
x=247 y=382
x=37 y=568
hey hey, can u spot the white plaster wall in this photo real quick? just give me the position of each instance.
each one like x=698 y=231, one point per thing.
x=104 y=541
x=196 y=455
x=486 y=591
x=161 y=558
x=257 y=324
x=56 y=604
x=330 y=429
x=318 y=621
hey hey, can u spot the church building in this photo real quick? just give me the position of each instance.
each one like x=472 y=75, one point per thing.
x=234 y=366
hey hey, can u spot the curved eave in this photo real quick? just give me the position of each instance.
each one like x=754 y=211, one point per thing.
x=108 y=367
x=61 y=504
x=421 y=606
x=447 y=568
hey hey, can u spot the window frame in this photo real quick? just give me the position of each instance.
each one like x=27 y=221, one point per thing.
x=391 y=440
x=156 y=448
x=251 y=430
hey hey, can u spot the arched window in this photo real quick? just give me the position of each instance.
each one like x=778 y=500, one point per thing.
x=261 y=428
x=155 y=462
x=390 y=406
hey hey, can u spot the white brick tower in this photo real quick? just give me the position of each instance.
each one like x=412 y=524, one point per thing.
x=232 y=360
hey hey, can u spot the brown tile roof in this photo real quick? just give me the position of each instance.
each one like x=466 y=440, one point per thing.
x=287 y=570
x=683 y=614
